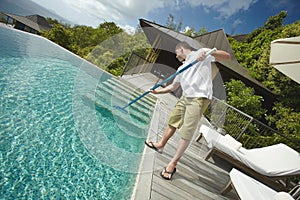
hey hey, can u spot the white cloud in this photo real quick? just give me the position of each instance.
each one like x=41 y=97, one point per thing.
x=94 y=12
x=126 y=13
x=186 y=29
x=225 y=8
x=119 y=11
x=237 y=22
x=128 y=29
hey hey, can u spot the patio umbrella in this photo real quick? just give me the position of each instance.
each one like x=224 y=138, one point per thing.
x=285 y=56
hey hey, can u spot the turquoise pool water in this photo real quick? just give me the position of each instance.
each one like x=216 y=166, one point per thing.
x=59 y=137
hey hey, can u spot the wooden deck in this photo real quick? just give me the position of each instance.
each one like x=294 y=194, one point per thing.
x=194 y=179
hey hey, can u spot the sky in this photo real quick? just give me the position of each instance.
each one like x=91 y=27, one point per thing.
x=234 y=16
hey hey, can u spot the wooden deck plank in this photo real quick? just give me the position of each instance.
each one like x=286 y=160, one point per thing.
x=195 y=178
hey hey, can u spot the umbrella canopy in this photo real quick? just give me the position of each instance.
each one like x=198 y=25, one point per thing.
x=285 y=56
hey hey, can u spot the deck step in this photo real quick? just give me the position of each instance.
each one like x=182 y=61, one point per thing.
x=121 y=95
x=120 y=83
x=121 y=118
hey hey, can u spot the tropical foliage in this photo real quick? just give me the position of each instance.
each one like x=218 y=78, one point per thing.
x=106 y=46
x=254 y=53
x=189 y=31
x=243 y=98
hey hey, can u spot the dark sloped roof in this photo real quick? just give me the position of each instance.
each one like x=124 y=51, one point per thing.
x=32 y=21
x=216 y=39
x=240 y=38
x=153 y=28
x=219 y=40
x=41 y=21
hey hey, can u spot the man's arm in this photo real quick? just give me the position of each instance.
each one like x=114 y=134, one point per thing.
x=219 y=55
x=167 y=89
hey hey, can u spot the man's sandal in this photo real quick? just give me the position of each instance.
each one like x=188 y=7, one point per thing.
x=164 y=171
x=151 y=146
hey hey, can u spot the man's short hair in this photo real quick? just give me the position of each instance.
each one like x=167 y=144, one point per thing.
x=184 y=45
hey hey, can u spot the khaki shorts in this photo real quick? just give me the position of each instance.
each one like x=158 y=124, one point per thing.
x=187 y=114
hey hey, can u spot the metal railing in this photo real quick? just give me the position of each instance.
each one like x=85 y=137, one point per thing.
x=244 y=128
x=139 y=65
x=136 y=65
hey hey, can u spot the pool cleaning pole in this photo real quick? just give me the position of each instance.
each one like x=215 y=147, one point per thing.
x=164 y=81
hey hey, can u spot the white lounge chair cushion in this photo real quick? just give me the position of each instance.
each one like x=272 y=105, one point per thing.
x=283 y=196
x=229 y=141
x=212 y=137
x=274 y=160
x=251 y=189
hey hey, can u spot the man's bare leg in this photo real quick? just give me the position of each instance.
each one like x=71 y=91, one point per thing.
x=168 y=133
x=182 y=146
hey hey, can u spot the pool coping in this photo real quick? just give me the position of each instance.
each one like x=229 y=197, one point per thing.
x=144 y=180
x=142 y=187
x=164 y=103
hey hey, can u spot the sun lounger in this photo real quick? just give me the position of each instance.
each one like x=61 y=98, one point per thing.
x=248 y=188
x=273 y=165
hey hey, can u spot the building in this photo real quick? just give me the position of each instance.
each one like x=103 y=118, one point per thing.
x=164 y=40
x=32 y=23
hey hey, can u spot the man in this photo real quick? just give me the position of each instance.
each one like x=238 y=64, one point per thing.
x=196 y=84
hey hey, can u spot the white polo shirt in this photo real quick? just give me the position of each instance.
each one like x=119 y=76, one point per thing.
x=196 y=81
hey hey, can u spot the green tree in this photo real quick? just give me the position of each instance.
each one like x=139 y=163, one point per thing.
x=276 y=21
x=202 y=31
x=117 y=65
x=254 y=54
x=171 y=24
x=58 y=34
x=107 y=46
x=52 y=21
x=192 y=33
x=243 y=98
x=286 y=120
x=110 y=28
x=113 y=53
x=81 y=36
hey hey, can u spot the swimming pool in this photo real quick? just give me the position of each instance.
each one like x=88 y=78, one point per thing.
x=59 y=137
